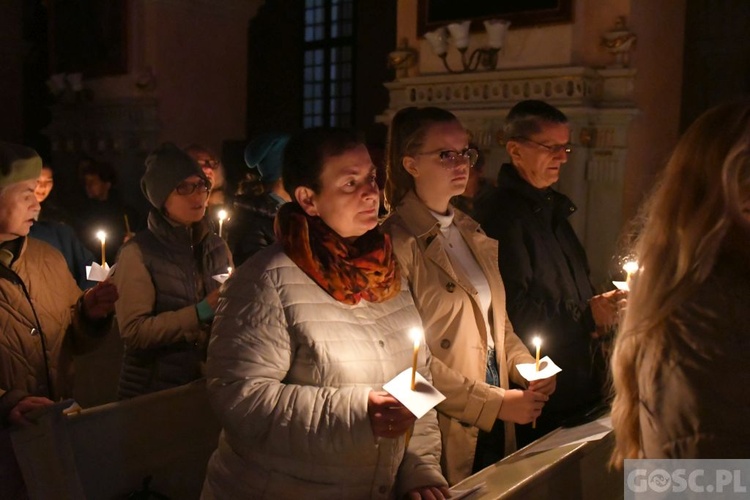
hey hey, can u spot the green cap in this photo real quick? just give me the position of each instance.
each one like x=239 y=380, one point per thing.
x=18 y=163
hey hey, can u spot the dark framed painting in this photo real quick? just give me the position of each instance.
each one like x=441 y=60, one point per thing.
x=435 y=13
x=88 y=36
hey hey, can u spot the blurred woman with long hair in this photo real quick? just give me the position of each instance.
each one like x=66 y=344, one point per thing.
x=681 y=353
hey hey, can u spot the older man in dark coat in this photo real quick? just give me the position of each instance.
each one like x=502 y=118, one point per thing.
x=543 y=264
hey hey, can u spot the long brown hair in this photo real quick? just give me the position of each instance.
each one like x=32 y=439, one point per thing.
x=405 y=137
x=687 y=220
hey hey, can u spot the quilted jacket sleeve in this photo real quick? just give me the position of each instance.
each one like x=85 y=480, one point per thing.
x=249 y=355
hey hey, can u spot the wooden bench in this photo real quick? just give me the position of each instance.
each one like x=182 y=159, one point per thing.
x=105 y=452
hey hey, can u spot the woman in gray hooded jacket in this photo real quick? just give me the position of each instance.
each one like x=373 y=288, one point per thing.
x=164 y=275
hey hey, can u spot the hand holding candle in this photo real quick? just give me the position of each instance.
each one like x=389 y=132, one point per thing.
x=416 y=336
x=102 y=237
x=222 y=217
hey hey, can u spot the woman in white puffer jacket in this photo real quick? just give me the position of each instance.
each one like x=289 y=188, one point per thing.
x=306 y=334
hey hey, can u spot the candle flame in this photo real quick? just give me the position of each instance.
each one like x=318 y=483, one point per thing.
x=630 y=266
x=537 y=342
x=101 y=235
x=416 y=335
x=229 y=270
x=222 y=215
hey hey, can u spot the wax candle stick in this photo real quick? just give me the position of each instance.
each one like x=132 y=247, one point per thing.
x=222 y=216
x=538 y=344
x=102 y=237
x=416 y=336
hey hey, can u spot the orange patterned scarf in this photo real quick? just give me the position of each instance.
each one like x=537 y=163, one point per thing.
x=365 y=269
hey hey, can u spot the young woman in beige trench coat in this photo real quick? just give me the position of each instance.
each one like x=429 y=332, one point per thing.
x=452 y=271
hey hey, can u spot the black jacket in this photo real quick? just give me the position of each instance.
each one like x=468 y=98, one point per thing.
x=546 y=276
x=252 y=225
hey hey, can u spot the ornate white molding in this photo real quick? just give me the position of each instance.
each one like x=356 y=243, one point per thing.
x=563 y=87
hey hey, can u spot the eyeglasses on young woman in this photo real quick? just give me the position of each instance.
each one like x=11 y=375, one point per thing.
x=450 y=158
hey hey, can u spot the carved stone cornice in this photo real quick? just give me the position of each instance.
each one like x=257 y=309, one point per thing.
x=560 y=86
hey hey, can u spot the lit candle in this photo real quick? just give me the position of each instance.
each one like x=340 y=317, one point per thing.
x=538 y=344
x=102 y=237
x=222 y=217
x=416 y=336
x=229 y=270
x=630 y=267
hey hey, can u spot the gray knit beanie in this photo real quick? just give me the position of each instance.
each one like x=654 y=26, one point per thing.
x=18 y=163
x=166 y=167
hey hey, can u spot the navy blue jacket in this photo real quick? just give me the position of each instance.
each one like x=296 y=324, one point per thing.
x=546 y=276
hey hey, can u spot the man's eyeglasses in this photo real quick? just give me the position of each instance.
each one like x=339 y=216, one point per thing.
x=212 y=164
x=450 y=158
x=186 y=188
x=555 y=149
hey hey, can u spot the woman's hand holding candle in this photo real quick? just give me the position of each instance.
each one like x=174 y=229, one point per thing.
x=388 y=417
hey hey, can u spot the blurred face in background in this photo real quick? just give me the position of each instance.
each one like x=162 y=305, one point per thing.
x=210 y=164
x=96 y=188
x=44 y=184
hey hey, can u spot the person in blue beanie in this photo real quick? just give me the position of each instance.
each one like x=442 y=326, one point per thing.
x=165 y=277
x=255 y=211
